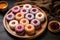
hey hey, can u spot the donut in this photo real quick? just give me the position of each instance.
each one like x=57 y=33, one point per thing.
x=36 y=23
x=40 y=16
x=34 y=10
x=24 y=21
x=19 y=16
x=19 y=29
x=13 y=24
x=27 y=6
x=10 y=16
x=24 y=11
x=15 y=9
x=29 y=28
x=29 y=16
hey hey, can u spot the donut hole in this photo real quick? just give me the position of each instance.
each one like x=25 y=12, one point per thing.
x=29 y=16
x=9 y=16
x=34 y=10
x=29 y=27
x=16 y=8
x=35 y=22
x=27 y=6
x=19 y=15
x=24 y=21
x=24 y=10
x=19 y=27
x=54 y=25
x=39 y=15
x=13 y=22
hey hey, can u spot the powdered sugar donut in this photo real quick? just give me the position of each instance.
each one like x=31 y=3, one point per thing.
x=40 y=16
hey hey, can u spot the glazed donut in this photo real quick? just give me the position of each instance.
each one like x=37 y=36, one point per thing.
x=16 y=9
x=19 y=16
x=29 y=16
x=34 y=10
x=27 y=6
x=13 y=24
x=10 y=16
x=29 y=28
x=24 y=21
x=40 y=16
x=24 y=11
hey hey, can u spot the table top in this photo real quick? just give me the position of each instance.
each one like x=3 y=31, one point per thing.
x=4 y=35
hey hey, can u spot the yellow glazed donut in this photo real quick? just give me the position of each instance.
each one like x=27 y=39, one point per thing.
x=24 y=21
x=19 y=16
x=29 y=28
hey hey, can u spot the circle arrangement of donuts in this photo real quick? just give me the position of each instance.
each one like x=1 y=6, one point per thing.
x=25 y=20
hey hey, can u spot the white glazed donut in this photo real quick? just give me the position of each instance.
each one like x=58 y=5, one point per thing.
x=19 y=16
x=27 y=6
x=16 y=9
x=29 y=16
x=13 y=24
x=40 y=16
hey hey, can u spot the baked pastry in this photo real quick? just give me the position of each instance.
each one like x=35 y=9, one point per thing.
x=13 y=24
x=29 y=16
x=54 y=26
x=19 y=16
x=24 y=11
x=27 y=6
x=16 y=9
x=29 y=28
x=19 y=29
x=10 y=16
x=24 y=21
x=40 y=16
x=34 y=10
x=36 y=23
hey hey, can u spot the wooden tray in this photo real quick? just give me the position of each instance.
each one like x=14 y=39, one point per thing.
x=38 y=32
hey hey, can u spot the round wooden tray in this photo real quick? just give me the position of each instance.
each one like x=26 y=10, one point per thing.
x=38 y=32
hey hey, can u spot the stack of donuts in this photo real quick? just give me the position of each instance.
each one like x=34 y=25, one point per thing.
x=25 y=20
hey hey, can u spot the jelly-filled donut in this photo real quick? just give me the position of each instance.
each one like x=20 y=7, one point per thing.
x=10 y=16
x=54 y=26
x=19 y=16
x=16 y=9
x=19 y=29
x=29 y=28
x=36 y=23
x=29 y=16
x=27 y=6
x=34 y=10
x=24 y=21
x=24 y=11
x=40 y=16
x=13 y=23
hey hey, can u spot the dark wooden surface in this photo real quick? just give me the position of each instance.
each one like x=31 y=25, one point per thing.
x=4 y=35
